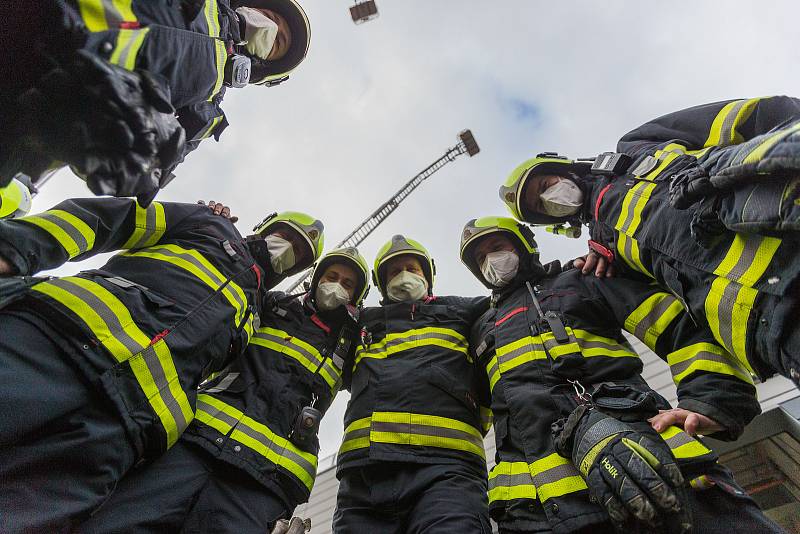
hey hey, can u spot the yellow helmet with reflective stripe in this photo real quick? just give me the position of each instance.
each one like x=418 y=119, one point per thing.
x=512 y=192
x=398 y=246
x=311 y=229
x=273 y=72
x=476 y=229
x=354 y=259
x=15 y=199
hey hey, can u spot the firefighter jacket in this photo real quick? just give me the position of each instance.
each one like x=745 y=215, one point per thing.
x=723 y=282
x=413 y=390
x=247 y=417
x=184 y=42
x=174 y=306
x=528 y=369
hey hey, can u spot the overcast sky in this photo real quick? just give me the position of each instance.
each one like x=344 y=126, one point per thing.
x=376 y=103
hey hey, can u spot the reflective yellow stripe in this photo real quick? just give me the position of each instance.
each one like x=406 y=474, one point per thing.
x=731 y=296
x=356 y=435
x=630 y=218
x=304 y=353
x=419 y=337
x=682 y=445
x=403 y=428
x=211 y=127
x=111 y=323
x=731 y=116
x=530 y=348
x=493 y=372
x=258 y=437
x=760 y=151
x=149 y=226
x=509 y=481
x=554 y=476
x=705 y=357
x=101 y=15
x=74 y=235
x=211 y=12
x=127 y=47
x=487 y=419
x=652 y=317
x=192 y=261
x=666 y=156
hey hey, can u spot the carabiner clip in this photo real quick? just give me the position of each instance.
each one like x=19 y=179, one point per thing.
x=580 y=392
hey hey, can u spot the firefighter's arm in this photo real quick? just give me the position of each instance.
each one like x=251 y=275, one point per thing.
x=482 y=353
x=80 y=228
x=710 y=381
x=717 y=124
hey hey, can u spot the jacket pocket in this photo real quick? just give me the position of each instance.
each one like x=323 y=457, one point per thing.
x=441 y=379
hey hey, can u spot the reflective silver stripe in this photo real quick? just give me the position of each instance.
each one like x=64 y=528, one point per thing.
x=601 y=345
x=727 y=302
x=223 y=384
x=749 y=251
x=333 y=372
x=149 y=357
x=426 y=430
x=105 y=313
x=277 y=449
x=681 y=438
x=191 y=259
x=728 y=123
x=554 y=474
x=652 y=317
x=597 y=433
x=493 y=367
x=216 y=414
x=522 y=479
x=338 y=362
x=287 y=343
x=68 y=228
x=358 y=433
x=418 y=337
x=679 y=368
x=150 y=227
x=530 y=347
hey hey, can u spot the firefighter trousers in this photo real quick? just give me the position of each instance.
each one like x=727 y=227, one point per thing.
x=188 y=490
x=399 y=498
x=62 y=449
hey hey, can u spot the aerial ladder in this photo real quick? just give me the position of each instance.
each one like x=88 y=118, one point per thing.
x=466 y=145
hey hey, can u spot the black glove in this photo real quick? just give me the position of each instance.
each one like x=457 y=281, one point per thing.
x=633 y=477
x=114 y=127
x=706 y=227
x=688 y=186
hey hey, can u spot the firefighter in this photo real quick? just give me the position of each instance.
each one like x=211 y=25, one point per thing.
x=15 y=198
x=412 y=457
x=250 y=456
x=553 y=356
x=100 y=80
x=731 y=260
x=101 y=369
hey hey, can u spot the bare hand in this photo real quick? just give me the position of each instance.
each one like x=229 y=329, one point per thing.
x=219 y=209
x=692 y=423
x=594 y=262
x=6 y=269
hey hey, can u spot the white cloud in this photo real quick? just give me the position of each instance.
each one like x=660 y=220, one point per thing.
x=376 y=103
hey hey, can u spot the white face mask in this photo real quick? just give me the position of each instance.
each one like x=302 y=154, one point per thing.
x=562 y=199
x=500 y=267
x=330 y=295
x=407 y=286
x=260 y=31
x=281 y=253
